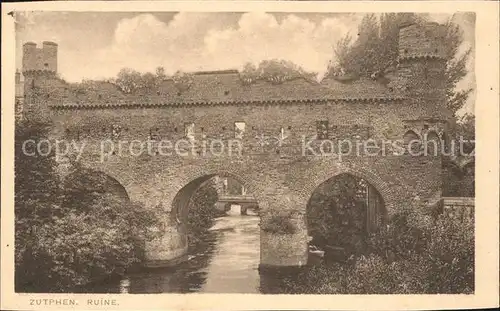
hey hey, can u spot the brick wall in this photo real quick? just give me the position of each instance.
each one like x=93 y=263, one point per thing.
x=345 y=119
x=263 y=163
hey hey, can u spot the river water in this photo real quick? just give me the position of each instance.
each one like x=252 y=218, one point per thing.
x=225 y=262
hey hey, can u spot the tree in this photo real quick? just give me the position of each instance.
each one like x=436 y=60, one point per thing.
x=249 y=74
x=160 y=73
x=376 y=46
x=73 y=232
x=108 y=231
x=405 y=258
x=376 y=50
x=367 y=47
x=182 y=81
x=466 y=127
x=274 y=70
x=128 y=80
x=149 y=81
x=37 y=190
x=342 y=50
x=131 y=81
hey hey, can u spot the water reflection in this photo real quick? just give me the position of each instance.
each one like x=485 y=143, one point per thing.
x=226 y=261
x=234 y=265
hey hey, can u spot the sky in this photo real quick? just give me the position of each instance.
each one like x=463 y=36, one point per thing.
x=96 y=45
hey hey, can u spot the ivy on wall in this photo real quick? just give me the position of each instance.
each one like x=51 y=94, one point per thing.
x=278 y=224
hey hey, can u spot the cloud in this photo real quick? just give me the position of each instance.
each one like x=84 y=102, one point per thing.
x=206 y=41
x=260 y=36
x=98 y=45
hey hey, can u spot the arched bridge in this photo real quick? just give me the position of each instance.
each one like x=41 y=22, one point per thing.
x=280 y=139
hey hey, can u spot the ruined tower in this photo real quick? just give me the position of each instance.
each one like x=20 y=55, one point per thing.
x=39 y=60
x=422 y=61
x=421 y=78
x=39 y=67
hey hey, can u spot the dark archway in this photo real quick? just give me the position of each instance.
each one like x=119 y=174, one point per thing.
x=181 y=201
x=188 y=197
x=343 y=211
x=214 y=237
x=180 y=204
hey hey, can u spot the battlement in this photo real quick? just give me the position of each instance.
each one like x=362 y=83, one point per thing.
x=218 y=72
x=422 y=41
x=42 y=59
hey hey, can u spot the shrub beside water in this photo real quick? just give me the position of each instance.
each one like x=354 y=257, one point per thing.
x=421 y=256
x=70 y=233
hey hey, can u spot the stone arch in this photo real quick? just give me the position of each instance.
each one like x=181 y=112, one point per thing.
x=180 y=203
x=382 y=187
x=129 y=175
x=190 y=180
x=195 y=176
x=181 y=194
x=365 y=209
x=357 y=175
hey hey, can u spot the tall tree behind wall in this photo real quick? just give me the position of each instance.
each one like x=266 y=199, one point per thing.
x=376 y=50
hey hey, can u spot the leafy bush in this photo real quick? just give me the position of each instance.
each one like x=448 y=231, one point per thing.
x=415 y=255
x=182 y=81
x=336 y=213
x=402 y=237
x=131 y=81
x=66 y=238
x=275 y=71
x=278 y=224
x=36 y=185
x=451 y=256
x=86 y=247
